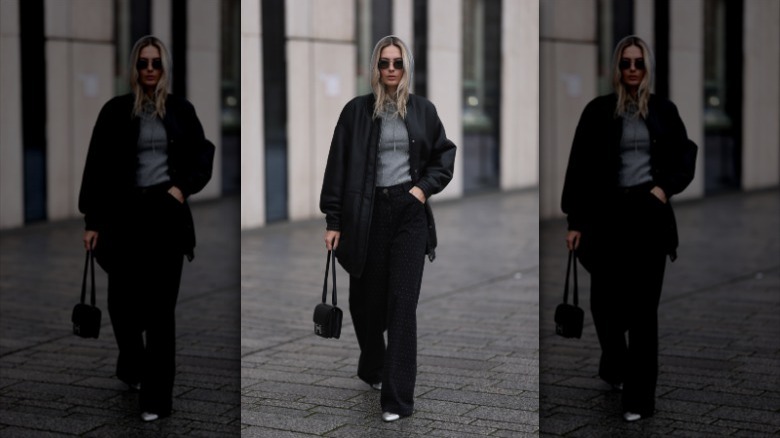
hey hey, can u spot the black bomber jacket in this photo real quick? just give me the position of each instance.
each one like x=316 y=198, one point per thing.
x=350 y=176
x=109 y=172
x=594 y=162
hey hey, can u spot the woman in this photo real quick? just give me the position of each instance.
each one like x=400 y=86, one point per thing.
x=388 y=155
x=630 y=155
x=147 y=154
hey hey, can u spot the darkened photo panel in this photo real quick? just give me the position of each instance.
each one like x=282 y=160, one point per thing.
x=391 y=174
x=120 y=169
x=659 y=176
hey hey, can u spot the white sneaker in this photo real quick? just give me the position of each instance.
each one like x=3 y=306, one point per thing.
x=149 y=416
x=630 y=416
x=387 y=417
x=377 y=386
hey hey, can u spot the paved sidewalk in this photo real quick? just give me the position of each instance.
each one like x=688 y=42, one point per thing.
x=477 y=335
x=53 y=383
x=719 y=327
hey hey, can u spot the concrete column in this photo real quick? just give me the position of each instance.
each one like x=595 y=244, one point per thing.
x=403 y=21
x=520 y=94
x=11 y=161
x=203 y=78
x=162 y=22
x=79 y=72
x=321 y=61
x=644 y=21
x=252 y=132
x=761 y=110
x=686 y=88
x=445 y=77
x=568 y=57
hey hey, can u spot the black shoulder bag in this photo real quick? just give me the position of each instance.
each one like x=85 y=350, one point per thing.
x=568 y=318
x=327 y=318
x=86 y=317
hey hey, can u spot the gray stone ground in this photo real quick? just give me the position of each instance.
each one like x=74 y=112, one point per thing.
x=478 y=331
x=719 y=327
x=53 y=383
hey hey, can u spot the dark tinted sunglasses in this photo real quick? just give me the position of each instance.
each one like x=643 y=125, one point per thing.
x=625 y=64
x=143 y=64
x=385 y=64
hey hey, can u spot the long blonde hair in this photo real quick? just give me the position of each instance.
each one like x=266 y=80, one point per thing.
x=404 y=85
x=161 y=90
x=625 y=99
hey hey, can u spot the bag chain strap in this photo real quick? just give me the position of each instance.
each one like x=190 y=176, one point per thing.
x=90 y=260
x=328 y=262
x=573 y=257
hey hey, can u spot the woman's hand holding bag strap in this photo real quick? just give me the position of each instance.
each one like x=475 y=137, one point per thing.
x=569 y=318
x=327 y=318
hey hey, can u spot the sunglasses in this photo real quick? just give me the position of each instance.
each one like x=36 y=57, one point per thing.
x=625 y=64
x=143 y=64
x=385 y=64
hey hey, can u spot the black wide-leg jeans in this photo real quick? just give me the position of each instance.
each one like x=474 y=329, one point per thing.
x=143 y=286
x=625 y=293
x=385 y=296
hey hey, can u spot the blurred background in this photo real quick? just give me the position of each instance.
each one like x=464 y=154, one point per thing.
x=717 y=60
x=63 y=59
x=303 y=60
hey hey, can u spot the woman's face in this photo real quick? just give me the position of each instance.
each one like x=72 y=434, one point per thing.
x=632 y=67
x=389 y=72
x=149 y=67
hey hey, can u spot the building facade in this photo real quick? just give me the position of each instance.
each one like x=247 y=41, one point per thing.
x=63 y=59
x=717 y=60
x=303 y=60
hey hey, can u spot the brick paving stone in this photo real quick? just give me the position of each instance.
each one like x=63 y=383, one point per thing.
x=52 y=382
x=453 y=372
x=264 y=432
x=477 y=330
x=351 y=416
x=719 y=327
x=693 y=411
x=506 y=425
x=450 y=417
x=749 y=427
x=322 y=401
x=425 y=404
x=441 y=432
x=76 y=424
x=483 y=399
x=388 y=431
x=512 y=434
x=296 y=422
x=723 y=399
x=20 y=432
x=681 y=428
x=752 y=434
x=502 y=414
x=277 y=403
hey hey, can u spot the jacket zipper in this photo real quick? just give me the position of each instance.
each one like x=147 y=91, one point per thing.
x=373 y=190
x=412 y=170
